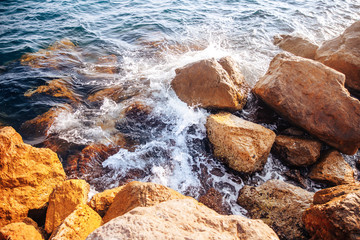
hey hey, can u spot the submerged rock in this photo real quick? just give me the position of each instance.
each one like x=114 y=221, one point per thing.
x=28 y=175
x=211 y=84
x=296 y=45
x=278 y=204
x=181 y=219
x=107 y=64
x=214 y=200
x=334 y=214
x=312 y=96
x=27 y=229
x=101 y=202
x=343 y=54
x=241 y=144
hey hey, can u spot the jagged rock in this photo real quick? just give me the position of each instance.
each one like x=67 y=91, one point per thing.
x=297 y=151
x=211 y=84
x=28 y=175
x=278 y=204
x=181 y=219
x=332 y=168
x=334 y=214
x=138 y=194
x=63 y=200
x=78 y=225
x=343 y=54
x=312 y=96
x=28 y=229
x=101 y=202
x=243 y=145
x=214 y=200
x=296 y=45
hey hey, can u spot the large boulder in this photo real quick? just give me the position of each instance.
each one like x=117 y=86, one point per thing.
x=181 y=219
x=312 y=96
x=343 y=54
x=63 y=200
x=278 y=204
x=28 y=175
x=241 y=144
x=296 y=45
x=27 y=229
x=297 y=151
x=334 y=214
x=139 y=194
x=211 y=84
x=101 y=202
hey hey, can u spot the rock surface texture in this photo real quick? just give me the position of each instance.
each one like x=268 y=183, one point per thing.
x=211 y=84
x=335 y=213
x=312 y=96
x=343 y=54
x=181 y=219
x=26 y=230
x=28 y=175
x=243 y=145
x=101 y=202
x=296 y=45
x=278 y=204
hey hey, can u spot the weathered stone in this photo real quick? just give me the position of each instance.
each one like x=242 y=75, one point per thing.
x=26 y=230
x=296 y=45
x=297 y=151
x=312 y=96
x=214 y=200
x=78 y=225
x=243 y=145
x=211 y=84
x=181 y=219
x=278 y=204
x=63 y=200
x=138 y=194
x=343 y=54
x=334 y=214
x=28 y=175
x=101 y=202
x=332 y=168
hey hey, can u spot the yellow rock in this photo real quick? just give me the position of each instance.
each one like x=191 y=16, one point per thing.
x=28 y=229
x=101 y=202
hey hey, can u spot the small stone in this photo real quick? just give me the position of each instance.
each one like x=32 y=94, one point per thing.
x=101 y=202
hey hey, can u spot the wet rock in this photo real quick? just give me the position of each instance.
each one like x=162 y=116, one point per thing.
x=138 y=194
x=214 y=200
x=27 y=229
x=211 y=84
x=181 y=219
x=297 y=151
x=296 y=176
x=58 y=88
x=312 y=96
x=343 y=54
x=241 y=144
x=114 y=93
x=278 y=204
x=78 y=225
x=101 y=202
x=107 y=64
x=28 y=175
x=332 y=168
x=334 y=213
x=63 y=201
x=296 y=45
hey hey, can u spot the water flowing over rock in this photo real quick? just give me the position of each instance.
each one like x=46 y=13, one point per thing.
x=343 y=54
x=138 y=194
x=181 y=219
x=297 y=151
x=312 y=96
x=78 y=225
x=27 y=229
x=278 y=204
x=334 y=214
x=211 y=84
x=296 y=45
x=332 y=168
x=28 y=175
x=101 y=202
x=241 y=144
x=63 y=200
x=214 y=200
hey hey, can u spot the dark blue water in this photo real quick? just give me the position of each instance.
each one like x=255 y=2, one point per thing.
x=149 y=40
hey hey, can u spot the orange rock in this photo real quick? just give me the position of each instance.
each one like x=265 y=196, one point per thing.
x=296 y=45
x=114 y=93
x=78 y=225
x=28 y=175
x=101 y=202
x=28 y=229
x=138 y=194
x=241 y=144
x=107 y=64
x=63 y=200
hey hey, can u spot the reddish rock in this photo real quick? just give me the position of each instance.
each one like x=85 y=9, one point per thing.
x=107 y=64
x=214 y=200
x=312 y=96
x=211 y=84
x=101 y=202
x=25 y=230
x=296 y=45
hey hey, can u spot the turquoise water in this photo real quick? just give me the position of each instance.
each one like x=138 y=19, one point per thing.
x=150 y=39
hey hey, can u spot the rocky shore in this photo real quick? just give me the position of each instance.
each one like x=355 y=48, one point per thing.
x=44 y=190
